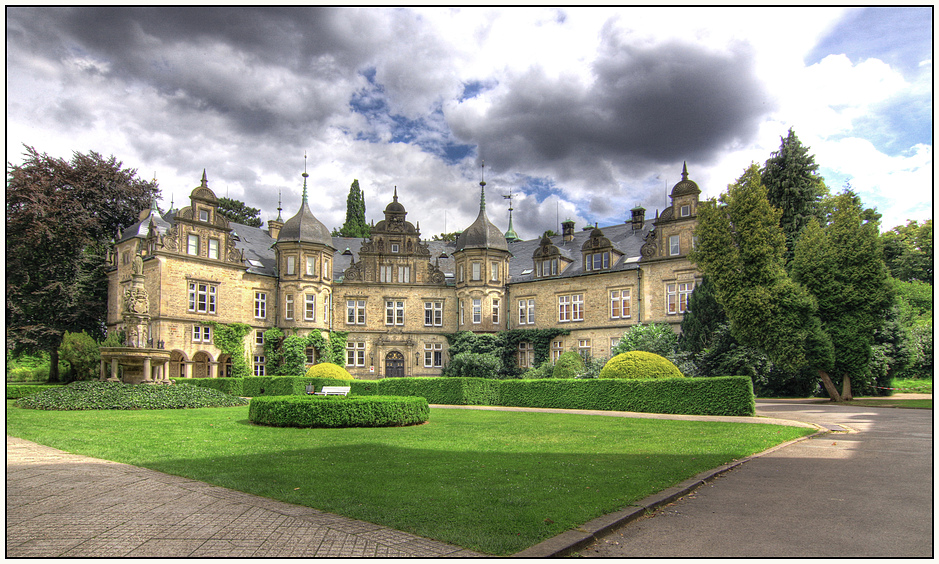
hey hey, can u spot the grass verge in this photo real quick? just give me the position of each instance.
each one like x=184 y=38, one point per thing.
x=887 y=402
x=914 y=386
x=491 y=481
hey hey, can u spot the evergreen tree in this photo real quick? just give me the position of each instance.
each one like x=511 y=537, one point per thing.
x=355 y=225
x=741 y=248
x=702 y=318
x=793 y=186
x=842 y=265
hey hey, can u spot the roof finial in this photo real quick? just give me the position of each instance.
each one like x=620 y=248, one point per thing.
x=684 y=170
x=482 y=188
x=205 y=183
x=278 y=207
x=396 y=194
x=304 y=175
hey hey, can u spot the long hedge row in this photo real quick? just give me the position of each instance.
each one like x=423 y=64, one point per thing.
x=334 y=411
x=729 y=395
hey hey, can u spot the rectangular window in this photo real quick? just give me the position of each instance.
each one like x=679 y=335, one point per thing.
x=677 y=297
x=685 y=211
x=395 y=248
x=495 y=310
x=526 y=354
x=309 y=307
x=258 y=365
x=288 y=309
x=404 y=274
x=577 y=311
x=193 y=245
x=598 y=261
x=583 y=347
x=355 y=312
x=394 y=312
x=477 y=310
x=461 y=312
x=355 y=354
x=477 y=271
x=204 y=215
x=460 y=271
x=564 y=308
x=260 y=305
x=259 y=337
x=201 y=334
x=620 y=306
x=526 y=312
x=557 y=347
x=311 y=266
x=384 y=274
x=495 y=272
x=433 y=355
x=202 y=297
x=213 y=248
x=291 y=265
x=433 y=314
x=674 y=245
x=325 y=268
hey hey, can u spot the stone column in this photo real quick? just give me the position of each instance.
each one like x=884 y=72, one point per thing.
x=114 y=370
x=185 y=369
x=213 y=369
x=147 y=374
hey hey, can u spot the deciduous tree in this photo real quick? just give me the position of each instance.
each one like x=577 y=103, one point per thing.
x=59 y=217
x=238 y=212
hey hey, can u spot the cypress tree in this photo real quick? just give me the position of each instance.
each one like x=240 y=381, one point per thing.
x=355 y=225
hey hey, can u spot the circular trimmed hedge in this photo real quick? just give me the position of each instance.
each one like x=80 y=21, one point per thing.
x=640 y=365
x=338 y=411
x=328 y=370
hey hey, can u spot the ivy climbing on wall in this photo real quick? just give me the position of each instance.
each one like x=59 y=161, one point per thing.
x=230 y=339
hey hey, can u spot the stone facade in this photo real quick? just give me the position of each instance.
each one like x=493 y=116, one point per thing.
x=396 y=295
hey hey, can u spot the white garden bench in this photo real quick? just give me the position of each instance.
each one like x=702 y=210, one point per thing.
x=332 y=391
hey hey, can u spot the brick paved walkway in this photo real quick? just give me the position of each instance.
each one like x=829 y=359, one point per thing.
x=61 y=505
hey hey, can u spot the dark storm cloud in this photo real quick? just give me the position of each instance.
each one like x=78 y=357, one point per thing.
x=647 y=106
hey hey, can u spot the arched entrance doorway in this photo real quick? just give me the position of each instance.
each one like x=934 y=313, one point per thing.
x=177 y=364
x=200 y=364
x=224 y=366
x=394 y=365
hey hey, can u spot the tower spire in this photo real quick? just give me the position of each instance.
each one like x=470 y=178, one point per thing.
x=279 y=208
x=304 y=175
x=482 y=187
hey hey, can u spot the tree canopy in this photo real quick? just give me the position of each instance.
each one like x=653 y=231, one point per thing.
x=355 y=225
x=908 y=251
x=60 y=216
x=238 y=212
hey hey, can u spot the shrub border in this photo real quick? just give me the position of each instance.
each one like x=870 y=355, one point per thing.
x=337 y=411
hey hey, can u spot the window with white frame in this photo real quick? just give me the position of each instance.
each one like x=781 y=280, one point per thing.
x=564 y=308
x=674 y=245
x=495 y=271
x=477 y=271
x=204 y=215
x=557 y=347
x=395 y=248
x=202 y=297
x=496 y=304
x=548 y=267
x=258 y=365
x=355 y=312
x=394 y=312
x=309 y=307
x=260 y=305
x=620 y=304
x=433 y=355
x=259 y=337
x=677 y=297
x=526 y=311
x=526 y=355
x=201 y=334
x=404 y=274
x=311 y=266
x=597 y=261
x=192 y=246
x=325 y=268
x=583 y=347
x=327 y=305
x=355 y=354
x=288 y=306
x=433 y=314
x=477 y=310
x=384 y=273
x=685 y=211
x=291 y=265
x=577 y=307
x=213 y=248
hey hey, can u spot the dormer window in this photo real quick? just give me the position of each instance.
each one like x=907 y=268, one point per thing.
x=548 y=267
x=204 y=215
x=685 y=211
x=597 y=261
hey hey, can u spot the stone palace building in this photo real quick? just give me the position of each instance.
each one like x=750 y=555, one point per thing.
x=396 y=295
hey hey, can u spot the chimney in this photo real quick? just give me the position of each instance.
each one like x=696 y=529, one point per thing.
x=639 y=217
x=273 y=227
x=567 y=230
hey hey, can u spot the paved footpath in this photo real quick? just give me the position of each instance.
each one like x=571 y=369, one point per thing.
x=60 y=504
x=863 y=493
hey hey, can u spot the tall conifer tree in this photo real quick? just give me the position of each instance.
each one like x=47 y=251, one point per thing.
x=355 y=225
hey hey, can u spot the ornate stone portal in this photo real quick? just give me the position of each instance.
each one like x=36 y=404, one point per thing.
x=140 y=360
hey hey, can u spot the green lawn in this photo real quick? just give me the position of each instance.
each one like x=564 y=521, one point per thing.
x=912 y=386
x=889 y=402
x=491 y=481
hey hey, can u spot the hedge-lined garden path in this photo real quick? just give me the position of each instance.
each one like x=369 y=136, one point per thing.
x=862 y=493
x=67 y=505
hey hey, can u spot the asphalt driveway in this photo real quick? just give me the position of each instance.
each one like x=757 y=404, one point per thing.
x=862 y=493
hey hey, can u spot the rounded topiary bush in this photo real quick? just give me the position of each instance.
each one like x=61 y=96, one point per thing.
x=338 y=411
x=639 y=365
x=328 y=370
x=568 y=365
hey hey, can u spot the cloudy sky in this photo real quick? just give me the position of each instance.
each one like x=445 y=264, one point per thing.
x=581 y=113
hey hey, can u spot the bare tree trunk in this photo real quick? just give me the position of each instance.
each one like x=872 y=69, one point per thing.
x=829 y=386
x=54 y=365
x=846 y=389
